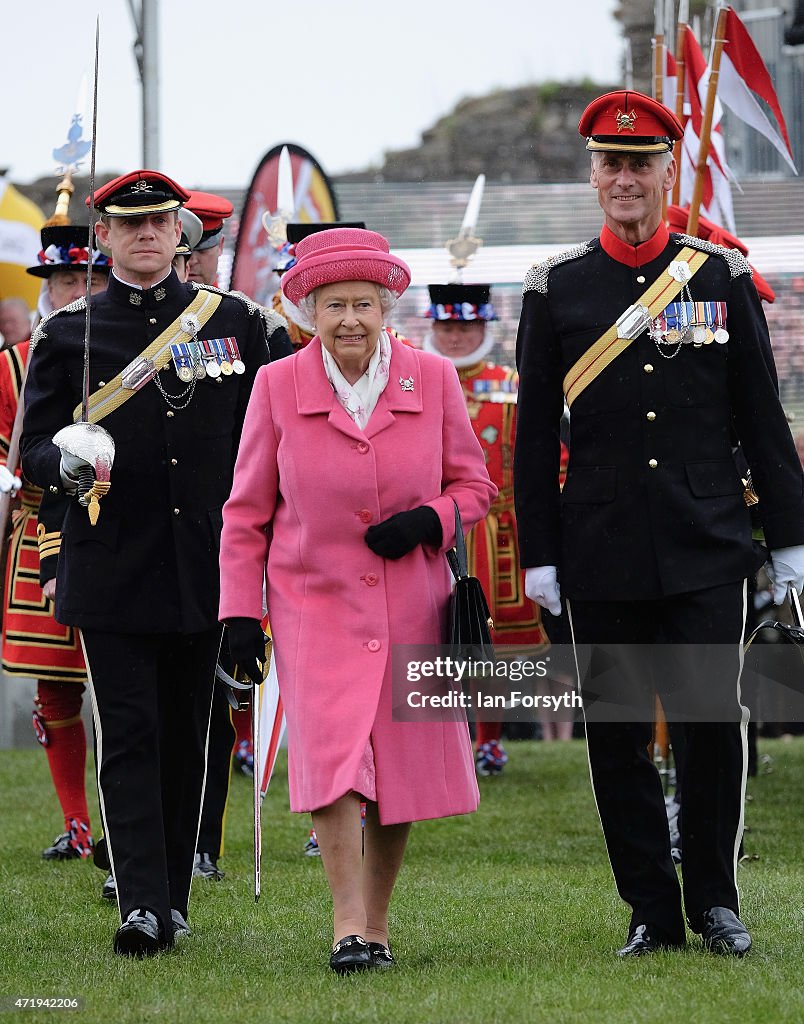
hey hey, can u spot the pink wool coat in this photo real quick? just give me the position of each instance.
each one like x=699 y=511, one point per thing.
x=307 y=485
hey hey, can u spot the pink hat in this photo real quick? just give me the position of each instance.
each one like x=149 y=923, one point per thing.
x=343 y=254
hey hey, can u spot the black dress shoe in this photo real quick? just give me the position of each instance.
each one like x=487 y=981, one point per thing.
x=381 y=956
x=724 y=932
x=109 y=890
x=61 y=849
x=350 y=954
x=206 y=866
x=139 y=935
x=180 y=927
x=646 y=939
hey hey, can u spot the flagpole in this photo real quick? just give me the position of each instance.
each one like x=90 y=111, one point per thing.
x=683 y=16
x=706 y=126
x=658 y=50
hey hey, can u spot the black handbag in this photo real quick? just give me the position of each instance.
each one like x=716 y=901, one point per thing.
x=470 y=621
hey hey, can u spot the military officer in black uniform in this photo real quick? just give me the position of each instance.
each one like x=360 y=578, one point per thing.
x=170 y=372
x=660 y=347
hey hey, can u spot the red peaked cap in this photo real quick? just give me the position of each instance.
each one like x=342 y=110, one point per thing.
x=707 y=229
x=139 y=193
x=626 y=121
x=211 y=209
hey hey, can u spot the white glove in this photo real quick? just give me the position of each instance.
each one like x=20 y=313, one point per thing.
x=541 y=586
x=786 y=568
x=69 y=468
x=8 y=481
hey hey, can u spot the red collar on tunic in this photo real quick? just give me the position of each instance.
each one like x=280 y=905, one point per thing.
x=634 y=255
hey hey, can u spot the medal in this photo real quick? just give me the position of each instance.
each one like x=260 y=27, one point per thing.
x=234 y=355
x=182 y=363
x=708 y=336
x=673 y=336
x=197 y=361
x=698 y=335
x=721 y=335
x=226 y=368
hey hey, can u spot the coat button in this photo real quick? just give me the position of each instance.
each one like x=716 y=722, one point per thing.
x=374 y=645
x=152 y=320
x=648 y=367
x=170 y=414
x=174 y=462
x=650 y=416
x=362 y=447
x=101 y=383
x=54 y=489
x=364 y=515
x=176 y=511
x=641 y=279
x=653 y=463
x=371 y=579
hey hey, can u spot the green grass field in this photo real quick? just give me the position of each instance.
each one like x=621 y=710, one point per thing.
x=509 y=915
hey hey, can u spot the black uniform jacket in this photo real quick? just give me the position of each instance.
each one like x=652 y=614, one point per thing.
x=151 y=562
x=653 y=502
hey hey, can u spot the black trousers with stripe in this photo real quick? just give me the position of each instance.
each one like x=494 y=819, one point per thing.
x=627 y=787
x=152 y=695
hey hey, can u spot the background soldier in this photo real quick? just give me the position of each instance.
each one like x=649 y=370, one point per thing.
x=34 y=644
x=651 y=538
x=460 y=313
x=171 y=371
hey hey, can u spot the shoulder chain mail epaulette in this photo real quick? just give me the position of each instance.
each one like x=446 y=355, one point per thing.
x=40 y=332
x=738 y=264
x=272 y=320
x=536 y=277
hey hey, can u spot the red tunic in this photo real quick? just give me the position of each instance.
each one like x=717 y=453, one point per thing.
x=34 y=644
x=492 y=546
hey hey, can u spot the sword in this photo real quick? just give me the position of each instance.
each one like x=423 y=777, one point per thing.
x=86 y=440
x=256 y=775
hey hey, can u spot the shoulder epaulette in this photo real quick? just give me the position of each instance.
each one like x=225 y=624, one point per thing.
x=40 y=332
x=738 y=264
x=536 y=278
x=272 y=320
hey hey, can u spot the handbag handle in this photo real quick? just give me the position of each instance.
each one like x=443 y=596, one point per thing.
x=456 y=556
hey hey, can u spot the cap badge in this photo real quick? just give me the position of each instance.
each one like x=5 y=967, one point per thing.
x=141 y=186
x=406 y=383
x=625 y=122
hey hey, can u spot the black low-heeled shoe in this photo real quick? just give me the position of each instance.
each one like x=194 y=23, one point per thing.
x=381 y=956
x=350 y=954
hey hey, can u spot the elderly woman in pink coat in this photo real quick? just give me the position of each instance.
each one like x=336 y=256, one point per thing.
x=352 y=458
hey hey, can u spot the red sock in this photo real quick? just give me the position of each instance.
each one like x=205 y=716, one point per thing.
x=241 y=720
x=487 y=732
x=59 y=708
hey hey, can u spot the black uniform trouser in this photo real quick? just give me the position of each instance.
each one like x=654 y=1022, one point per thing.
x=627 y=787
x=219 y=772
x=152 y=695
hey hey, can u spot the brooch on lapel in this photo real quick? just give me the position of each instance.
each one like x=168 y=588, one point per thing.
x=406 y=383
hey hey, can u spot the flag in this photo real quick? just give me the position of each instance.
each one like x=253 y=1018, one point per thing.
x=716 y=202
x=20 y=221
x=253 y=270
x=272 y=723
x=743 y=73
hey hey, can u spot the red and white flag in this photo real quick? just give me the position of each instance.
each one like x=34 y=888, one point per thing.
x=743 y=73
x=716 y=201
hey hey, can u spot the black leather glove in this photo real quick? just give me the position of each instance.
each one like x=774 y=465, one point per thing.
x=399 y=534
x=247 y=646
